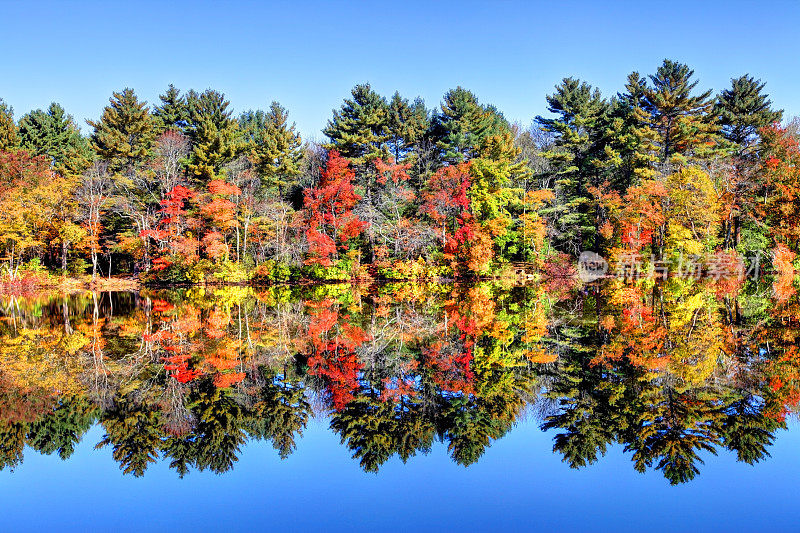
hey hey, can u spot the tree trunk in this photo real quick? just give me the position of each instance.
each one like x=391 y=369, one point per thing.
x=64 y=247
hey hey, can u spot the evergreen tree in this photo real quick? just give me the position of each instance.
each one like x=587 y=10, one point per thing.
x=54 y=134
x=173 y=113
x=679 y=124
x=461 y=126
x=743 y=109
x=580 y=111
x=408 y=123
x=61 y=430
x=278 y=151
x=134 y=432
x=213 y=134
x=124 y=134
x=628 y=153
x=359 y=130
x=8 y=130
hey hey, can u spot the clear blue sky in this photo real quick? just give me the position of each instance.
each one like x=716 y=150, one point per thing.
x=307 y=55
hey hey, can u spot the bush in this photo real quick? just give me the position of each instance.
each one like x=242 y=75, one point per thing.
x=34 y=265
x=229 y=272
x=339 y=271
x=270 y=272
x=78 y=266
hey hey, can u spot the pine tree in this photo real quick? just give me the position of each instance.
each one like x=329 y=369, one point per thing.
x=8 y=130
x=253 y=130
x=359 y=130
x=628 y=151
x=461 y=125
x=124 y=134
x=213 y=133
x=53 y=133
x=408 y=123
x=580 y=111
x=173 y=113
x=682 y=124
x=743 y=109
x=277 y=149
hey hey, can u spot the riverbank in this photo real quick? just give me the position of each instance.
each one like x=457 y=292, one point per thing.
x=27 y=283
x=31 y=282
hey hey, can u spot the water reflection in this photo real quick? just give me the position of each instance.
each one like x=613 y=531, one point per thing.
x=672 y=371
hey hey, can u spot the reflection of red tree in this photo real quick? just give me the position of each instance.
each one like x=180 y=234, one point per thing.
x=213 y=353
x=171 y=339
x=397 y=388
x=641 y=334
x=783 y=379
x=782 y=369
x=333 y=343
x=472 y=316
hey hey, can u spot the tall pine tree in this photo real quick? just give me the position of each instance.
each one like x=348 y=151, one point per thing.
x=278 y=160
x=214 y=134
x=408 y=122
x=8 y=129
x=275 y=145
x=628 y=152
x=460 y=126
x=580 y=112
x=53 y=133
x=359 y=130
x=743 y=110
x=172 y=113
x=124 y=134
x=681 y=125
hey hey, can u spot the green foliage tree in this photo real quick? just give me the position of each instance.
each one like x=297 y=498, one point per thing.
x=743 y=110
x=460 y=126
x=580 y=110
x=408 y=122
x=8 y=129
x=124 y=134
x=276 y=146
x=214 y=134
x=359 y=130
x=54 y=134
x=172 y=113
x=679 y=123
x=628 y=154
x=62 y=429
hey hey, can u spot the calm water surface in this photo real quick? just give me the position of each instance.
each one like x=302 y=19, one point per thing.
x=616 y=407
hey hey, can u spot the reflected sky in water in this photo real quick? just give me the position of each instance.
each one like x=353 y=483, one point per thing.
x=519 y=484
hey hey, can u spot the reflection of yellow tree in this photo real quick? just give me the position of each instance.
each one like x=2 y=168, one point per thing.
x=674 y=327
x=41 y=358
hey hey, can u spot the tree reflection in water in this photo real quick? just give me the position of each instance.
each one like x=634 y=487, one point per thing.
x=670 y=371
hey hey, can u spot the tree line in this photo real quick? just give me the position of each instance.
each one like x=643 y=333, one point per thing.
x=185 y=191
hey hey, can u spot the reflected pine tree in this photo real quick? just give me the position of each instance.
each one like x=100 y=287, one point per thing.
x=280 y=413
x=134 y=432
x=62 y=429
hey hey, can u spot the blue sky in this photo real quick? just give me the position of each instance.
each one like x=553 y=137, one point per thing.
x=307 y=55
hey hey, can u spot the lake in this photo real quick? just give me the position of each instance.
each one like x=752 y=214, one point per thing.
x=614 y=406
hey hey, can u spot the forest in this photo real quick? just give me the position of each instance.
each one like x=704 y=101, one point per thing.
x=184 y=191
x=457 y=240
